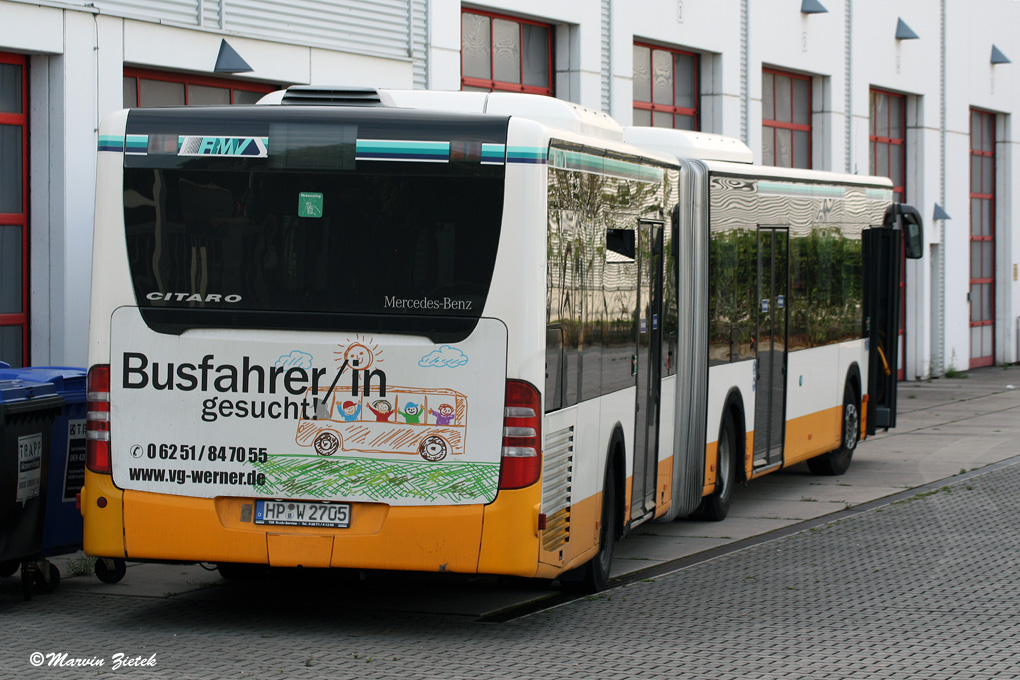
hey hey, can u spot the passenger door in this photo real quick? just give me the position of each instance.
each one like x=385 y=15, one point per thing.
x=648 y=364
x=882 y=264
x=771 y=342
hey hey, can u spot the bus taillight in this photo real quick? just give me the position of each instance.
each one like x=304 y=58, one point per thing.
x=522 y=436
x=97 y=420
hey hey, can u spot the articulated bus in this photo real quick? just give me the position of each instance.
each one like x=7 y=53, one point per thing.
x=482 y=333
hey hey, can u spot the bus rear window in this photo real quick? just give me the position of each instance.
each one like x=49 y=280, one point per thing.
x=312 y=249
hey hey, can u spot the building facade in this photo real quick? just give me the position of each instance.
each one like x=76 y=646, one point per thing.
x=921 y=92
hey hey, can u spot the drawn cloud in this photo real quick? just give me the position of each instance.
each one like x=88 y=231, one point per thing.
x=295 y=359
x=444 y=357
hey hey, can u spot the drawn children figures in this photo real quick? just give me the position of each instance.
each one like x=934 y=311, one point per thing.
x=412 y=413
x=349 y=411
x=444 y=416
x=382 y=409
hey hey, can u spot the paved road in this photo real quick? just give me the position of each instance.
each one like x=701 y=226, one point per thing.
x=925 y=583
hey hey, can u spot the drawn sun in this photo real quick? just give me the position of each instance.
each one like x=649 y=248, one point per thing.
x=361 y=353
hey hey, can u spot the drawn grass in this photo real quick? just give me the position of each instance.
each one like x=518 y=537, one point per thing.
x=318 y=477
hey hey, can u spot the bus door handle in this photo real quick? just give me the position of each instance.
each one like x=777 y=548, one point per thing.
x=633 y=364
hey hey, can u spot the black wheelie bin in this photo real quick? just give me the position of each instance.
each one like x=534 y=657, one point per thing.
x=27 y=412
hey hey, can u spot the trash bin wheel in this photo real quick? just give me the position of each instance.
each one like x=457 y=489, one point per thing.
x=49 y=585
x=110 y=569
x=27 y=581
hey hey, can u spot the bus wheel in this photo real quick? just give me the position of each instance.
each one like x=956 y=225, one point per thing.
x=714 y=508
x=594 y=576
x=837 y=462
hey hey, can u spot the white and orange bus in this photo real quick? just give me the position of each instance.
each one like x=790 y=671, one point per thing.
x=635 y=321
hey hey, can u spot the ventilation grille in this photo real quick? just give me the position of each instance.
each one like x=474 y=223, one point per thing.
x=304 y=95
x=557 y=484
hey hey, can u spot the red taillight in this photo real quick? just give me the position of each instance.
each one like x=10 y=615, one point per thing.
x=97 y=420
x=522 y=436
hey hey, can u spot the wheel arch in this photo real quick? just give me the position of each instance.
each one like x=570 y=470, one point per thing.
x=616 y=465
x=853 y=379
x=733 y=406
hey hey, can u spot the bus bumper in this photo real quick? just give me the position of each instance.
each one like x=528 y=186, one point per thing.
x=499 y=538
x=102 y=507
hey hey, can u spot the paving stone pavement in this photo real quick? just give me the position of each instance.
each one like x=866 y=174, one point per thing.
x=927 y=587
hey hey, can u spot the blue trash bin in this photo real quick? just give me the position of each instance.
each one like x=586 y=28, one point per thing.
x=62 y=530
x=27 y=412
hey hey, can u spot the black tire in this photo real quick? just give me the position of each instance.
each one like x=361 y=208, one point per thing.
x=714 y=508
x=50 y=585
x=8 y=568
x=110 y=574
x=27 y=581
x=593 y=577
x=837 y=462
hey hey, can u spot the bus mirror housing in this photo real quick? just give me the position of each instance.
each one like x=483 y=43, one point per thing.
x=905 y=218
x=913 y=232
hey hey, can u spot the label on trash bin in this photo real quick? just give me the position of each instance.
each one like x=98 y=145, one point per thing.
x=74 y=470
x=29 y=466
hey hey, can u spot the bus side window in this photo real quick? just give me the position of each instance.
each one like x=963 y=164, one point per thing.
x=554 y=365
x=620 y=289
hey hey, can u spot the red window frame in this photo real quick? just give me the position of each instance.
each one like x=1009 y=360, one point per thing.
x=982 y=123
x=898 y=146
x=674 y=110
x=500 y=85
x=189 y=79
x=768 y=118
x=20 y=219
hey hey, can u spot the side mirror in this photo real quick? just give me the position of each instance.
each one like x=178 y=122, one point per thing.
x=914 y=233
x=905 y=218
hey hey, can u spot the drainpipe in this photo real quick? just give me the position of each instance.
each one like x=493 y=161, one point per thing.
x=939 y=325
x=848 y=95
x=745 y=88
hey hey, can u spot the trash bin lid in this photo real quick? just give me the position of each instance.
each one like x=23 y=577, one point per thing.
x=69 y=381
x=12 y=391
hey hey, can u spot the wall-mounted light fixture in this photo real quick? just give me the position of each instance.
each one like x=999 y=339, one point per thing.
x=229 y=61
x=812 y=7
x=904 y=32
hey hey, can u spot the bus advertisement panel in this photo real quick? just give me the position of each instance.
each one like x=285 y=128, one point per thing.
x=365 y=419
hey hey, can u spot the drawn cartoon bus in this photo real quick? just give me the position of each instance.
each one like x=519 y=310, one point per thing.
x=430 y=422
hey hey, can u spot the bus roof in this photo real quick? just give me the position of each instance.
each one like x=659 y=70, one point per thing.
x=554 y=113
x=769 y=172
x=689 y=144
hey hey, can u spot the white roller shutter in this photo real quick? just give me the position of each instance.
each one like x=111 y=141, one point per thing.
x=420 y=42
x=373 y=27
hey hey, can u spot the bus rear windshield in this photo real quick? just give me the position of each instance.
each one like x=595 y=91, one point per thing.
x=398 y=247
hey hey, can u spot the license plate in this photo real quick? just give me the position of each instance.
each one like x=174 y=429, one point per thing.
x=303 y=514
